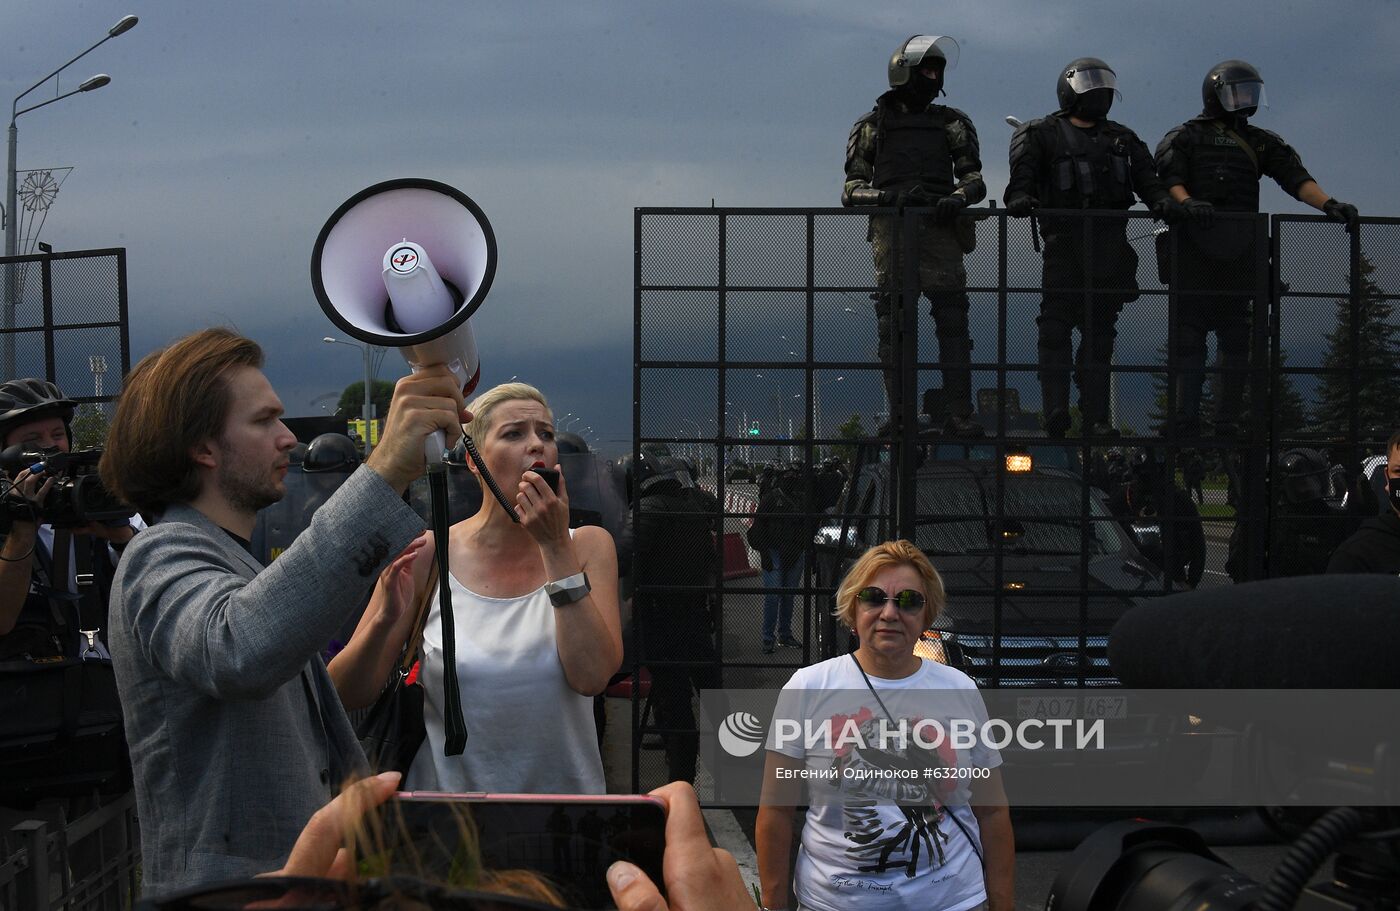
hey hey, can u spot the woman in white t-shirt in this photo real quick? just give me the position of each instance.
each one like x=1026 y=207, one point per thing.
x=874 y=839
x=535 y=611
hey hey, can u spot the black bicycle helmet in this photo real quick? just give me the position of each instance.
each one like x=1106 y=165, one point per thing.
x=30 y=399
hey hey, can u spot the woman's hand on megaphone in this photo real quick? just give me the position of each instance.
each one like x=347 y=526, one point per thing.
x=424 y=402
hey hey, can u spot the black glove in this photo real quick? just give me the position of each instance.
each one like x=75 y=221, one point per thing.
x=916 y=196
x=1342 y=211
x=1199 y=211
x=1168 y=210
x=949 y=207
x=1020 y=206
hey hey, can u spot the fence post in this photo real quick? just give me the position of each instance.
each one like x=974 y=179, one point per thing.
x=33 y=834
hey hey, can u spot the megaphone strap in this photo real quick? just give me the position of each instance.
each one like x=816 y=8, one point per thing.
x=454 y=725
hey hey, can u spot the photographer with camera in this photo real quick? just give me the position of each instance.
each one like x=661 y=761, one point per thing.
x=40 y=612
x=237 y=734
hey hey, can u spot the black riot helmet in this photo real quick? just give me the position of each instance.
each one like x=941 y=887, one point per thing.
x=1087 y=87
x=651 y=473
x=1302 y=476
x=1233 y=89
x=297 y=454
x=25 y=400
x=331 y=452
x=457 y=455
x=921 y=51
x=569 y=442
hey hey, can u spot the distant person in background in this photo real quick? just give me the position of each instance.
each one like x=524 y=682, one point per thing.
x=1148 y=493
x=780 y=533
x=675 y=546
x=1304 y=528
x=1375 y=547
x=1194 y=474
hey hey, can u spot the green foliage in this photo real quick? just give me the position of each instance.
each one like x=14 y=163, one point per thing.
x=90 y=425
x=851 y=430
x=1377 y=349
x=352 y=400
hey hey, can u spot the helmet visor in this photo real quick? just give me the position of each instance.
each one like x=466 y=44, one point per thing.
x=1236 y=96
x=924 y=49
x=1087 y=80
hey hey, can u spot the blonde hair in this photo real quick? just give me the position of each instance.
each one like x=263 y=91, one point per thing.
x=882 y=557
x=483 y=406
x=379 y=843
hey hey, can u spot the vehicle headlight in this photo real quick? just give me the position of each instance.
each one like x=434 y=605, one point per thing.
x=831 y=534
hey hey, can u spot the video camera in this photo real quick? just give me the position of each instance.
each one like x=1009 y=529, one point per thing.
x=76 y=498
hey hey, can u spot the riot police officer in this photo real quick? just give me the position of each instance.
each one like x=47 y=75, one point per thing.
x=1149 y=493
x=675 y=546
x=1076 y=158
x=1306 y=529
x=909 y=151
x=1211 y=163
x=1375 y=547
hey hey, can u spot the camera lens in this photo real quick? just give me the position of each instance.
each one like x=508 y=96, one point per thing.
x=1137 y=866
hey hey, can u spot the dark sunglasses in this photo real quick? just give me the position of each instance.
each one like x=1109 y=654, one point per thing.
x=307 y=894
x=908 y=601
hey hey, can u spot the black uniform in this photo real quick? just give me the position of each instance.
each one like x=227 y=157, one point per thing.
x=1064 y=166
x=1375 y=548
x=1181 y=526
x=677 y=549
x=1220 y=163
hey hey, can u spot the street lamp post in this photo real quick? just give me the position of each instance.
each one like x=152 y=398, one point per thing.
x=369 y=382
x=125 y=24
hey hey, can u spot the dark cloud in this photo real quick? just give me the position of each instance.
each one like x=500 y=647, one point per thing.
x=230 y=132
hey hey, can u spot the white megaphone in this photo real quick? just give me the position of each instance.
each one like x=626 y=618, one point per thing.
x=404 y=264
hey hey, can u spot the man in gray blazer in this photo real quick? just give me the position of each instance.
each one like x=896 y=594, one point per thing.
x=236 y=733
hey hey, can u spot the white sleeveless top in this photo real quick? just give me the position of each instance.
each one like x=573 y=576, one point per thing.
x=527 y=731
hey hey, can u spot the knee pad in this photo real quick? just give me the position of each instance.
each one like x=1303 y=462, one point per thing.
x=950 y=320
x=1233 y=341
x=1052 y=334
x=1191 y=342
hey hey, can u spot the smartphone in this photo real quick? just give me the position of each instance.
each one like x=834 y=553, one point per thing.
x=551 y=477
x=571 y=840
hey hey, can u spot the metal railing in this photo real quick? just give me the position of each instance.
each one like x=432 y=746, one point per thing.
x=90 y=863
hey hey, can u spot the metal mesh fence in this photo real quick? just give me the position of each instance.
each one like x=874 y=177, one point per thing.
x=759 y=358
x=65 y=319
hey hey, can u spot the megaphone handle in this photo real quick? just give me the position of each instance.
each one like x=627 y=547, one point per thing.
x=433 y=447
x=490 y=481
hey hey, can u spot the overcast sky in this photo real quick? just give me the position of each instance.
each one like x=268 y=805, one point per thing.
x=231 y=131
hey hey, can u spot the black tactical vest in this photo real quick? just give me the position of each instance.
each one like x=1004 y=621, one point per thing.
x=47 y=625
x=1222 y=173
x=1087 y=170
x=912 y=149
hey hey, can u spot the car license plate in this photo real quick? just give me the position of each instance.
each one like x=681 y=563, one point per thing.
x=1089 y=707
